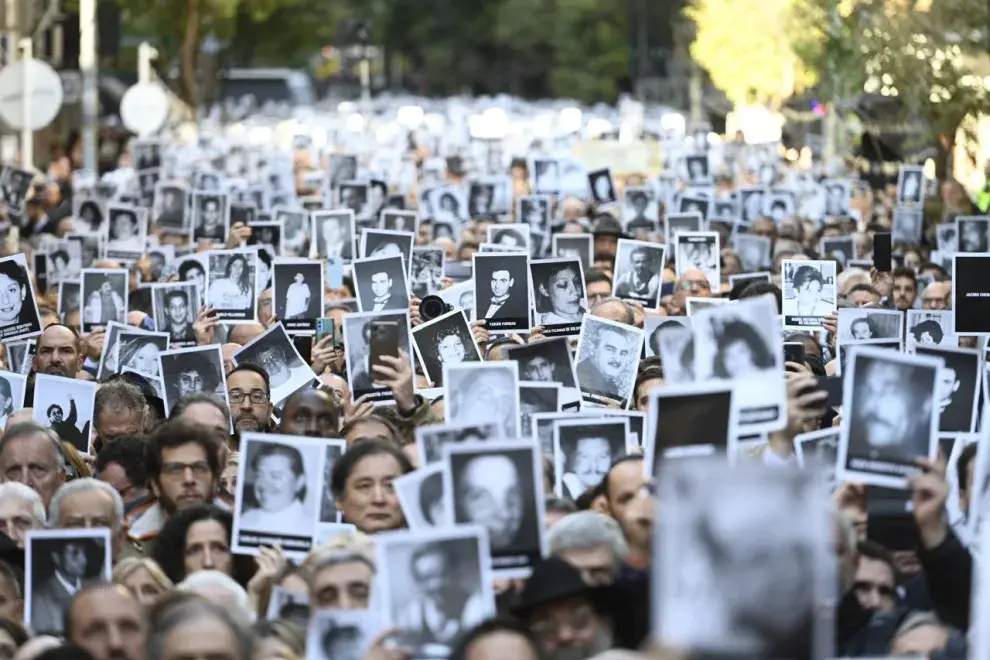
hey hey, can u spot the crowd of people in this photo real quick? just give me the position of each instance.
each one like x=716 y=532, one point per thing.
x=181 y=489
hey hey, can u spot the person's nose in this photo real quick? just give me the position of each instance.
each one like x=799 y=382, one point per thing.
x=246 y=403
x=115 y=641
x=188 y=477
x=208 y=561
x=378 y=494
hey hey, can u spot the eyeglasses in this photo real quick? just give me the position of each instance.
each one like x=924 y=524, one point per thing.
x=256 y=396
x=199 y=469
x=690 y=285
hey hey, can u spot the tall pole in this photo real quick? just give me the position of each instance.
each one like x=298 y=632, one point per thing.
x=145 y=55
x=90 y=89
x=12 y=19
x=27 y=133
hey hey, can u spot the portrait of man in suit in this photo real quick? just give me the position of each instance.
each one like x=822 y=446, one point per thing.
x=504 y=302
x=72 y=562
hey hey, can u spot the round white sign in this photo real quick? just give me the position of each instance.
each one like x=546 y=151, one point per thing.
x=46 y=94
x=144 y=108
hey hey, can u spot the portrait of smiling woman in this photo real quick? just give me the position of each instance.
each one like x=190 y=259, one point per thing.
x=16 y=297
x=741 y=351
x=234 y=290
x=559 y=293
x=276 y=491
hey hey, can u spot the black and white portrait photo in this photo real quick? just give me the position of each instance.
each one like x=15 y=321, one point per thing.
x=333 y=233
x=501 y=291
x=295 y=229
x=809 y=293
x=14 y=186
x=737 y=581
x=740 y=343
x=193 y=268
x=907 y=227
x=13 y=388
x=449 y=204
x=836 y=198
x=533 y=210
x=689 y=420
x=443 y=230
x=840 y=248
x=436 y=584
x=601 y=186
x=971 y=232
x=753 y=251
x=639 y=211
x=138 y=351
x=910 y=185
x=426 y=272
x=88 y=212
x=697 y=169
x=208 y=180
x=380 y=283
x=483 y=393
x=108 y=356
x=859 y=324
x=958 y=387
x=818 y=450
x=297 y=286
x=694 y=204
x=638 y=265
x=584 y=450
x=58 y=564
x=677 y=223
x=267 y=235
x=499 y=485
x=245 y=214
x=65 y=405
x=274 y=352
x=386 y=243
x=607 y=357
x=175 y=305
x=398 y=220
x=103 y=294
x=892 y=404
x=343 y=167
x=481 y=197
x=19 y=316
x=276 y=502
x=655 y=327
x=751 y=204
x=546 y=176
x=929 y=328
x=559 y=298
x=946 y=238
x=231 y=288
x=420 y=494
x=442 y=341
x=536 y=397
x=126 y=228
x=210 y=212
x=544 y=361
x=699 y=251
x=430 y=440
x=575 y=246
x=354 y=197
x=391 y=329
x=510 y=237
x=191 y=370
x=779 y=205
x=170 y=209
x=333 y=634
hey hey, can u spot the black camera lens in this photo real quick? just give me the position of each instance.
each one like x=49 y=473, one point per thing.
x=432 y=307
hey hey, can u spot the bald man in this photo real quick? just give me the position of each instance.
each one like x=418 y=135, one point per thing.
x=489 y=493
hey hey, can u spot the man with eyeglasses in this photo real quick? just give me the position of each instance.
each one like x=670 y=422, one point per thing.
x=183 y=467
x=249 y=397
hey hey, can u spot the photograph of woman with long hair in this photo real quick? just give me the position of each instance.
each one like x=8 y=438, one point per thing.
x=140 y=354
x=235 y=290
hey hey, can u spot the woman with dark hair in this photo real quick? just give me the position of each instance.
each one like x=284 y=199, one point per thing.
x=278 y=491
x=198 y=539
x=234 y=290
x=361 y=482
x=741 y=351
x=808 y=284
x=6 y=402
x=560 y=295
x=192 y=270
x=15 y=289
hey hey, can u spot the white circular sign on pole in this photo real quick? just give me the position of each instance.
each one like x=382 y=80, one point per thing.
x=144 y=108
x=46 y=94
